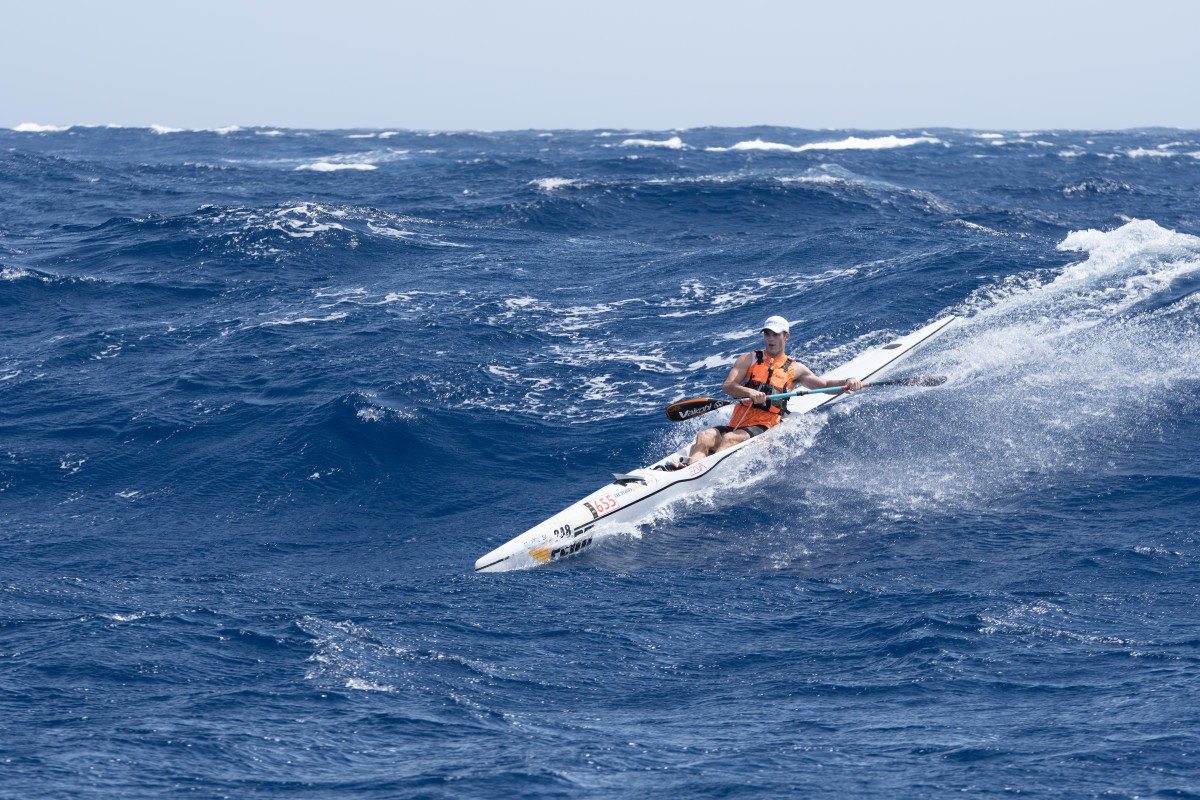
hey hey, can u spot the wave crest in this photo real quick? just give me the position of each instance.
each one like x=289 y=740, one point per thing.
x=33 y=127
x=849 y=143
x=674 y=143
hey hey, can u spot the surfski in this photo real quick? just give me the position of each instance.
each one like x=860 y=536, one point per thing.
x=635 y=495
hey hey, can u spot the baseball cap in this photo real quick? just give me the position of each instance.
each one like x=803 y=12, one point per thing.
x=776 y=324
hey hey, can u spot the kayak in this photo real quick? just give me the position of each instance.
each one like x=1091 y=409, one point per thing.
x=635 y=495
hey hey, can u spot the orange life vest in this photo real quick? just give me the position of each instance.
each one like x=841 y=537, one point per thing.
x=770 y=375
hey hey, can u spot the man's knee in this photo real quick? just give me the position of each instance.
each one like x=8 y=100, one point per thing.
x=709 y=437
x=733 y=437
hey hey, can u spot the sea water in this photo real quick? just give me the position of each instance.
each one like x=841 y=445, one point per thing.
x=266 y=395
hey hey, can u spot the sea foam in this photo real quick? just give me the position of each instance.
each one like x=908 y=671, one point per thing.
x=674 y=143
x=340 y=315
x=1139 y=258
x=850 y=143
x=550 y=184
x=14 y=273
x=327 y=166
x=33 y=127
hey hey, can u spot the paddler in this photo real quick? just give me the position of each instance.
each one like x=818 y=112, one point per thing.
x=754 y=376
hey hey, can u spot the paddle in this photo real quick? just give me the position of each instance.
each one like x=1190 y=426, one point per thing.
x=686 y=409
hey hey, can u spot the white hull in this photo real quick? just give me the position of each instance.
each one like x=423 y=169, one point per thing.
x=635 y=496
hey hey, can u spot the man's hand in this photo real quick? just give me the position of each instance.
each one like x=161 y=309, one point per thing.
x=758 y=398
x=851 y=384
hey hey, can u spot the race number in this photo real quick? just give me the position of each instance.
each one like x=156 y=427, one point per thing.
x=604 y=504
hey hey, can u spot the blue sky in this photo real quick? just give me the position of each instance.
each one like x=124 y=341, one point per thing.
x=452 y=64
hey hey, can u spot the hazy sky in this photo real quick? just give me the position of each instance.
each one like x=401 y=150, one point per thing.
x=452 y=64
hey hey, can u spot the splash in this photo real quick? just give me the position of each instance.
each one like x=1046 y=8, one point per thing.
x=1055 y=375
x=1052 y=375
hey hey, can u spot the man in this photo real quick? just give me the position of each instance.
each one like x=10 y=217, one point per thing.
x=754 y=376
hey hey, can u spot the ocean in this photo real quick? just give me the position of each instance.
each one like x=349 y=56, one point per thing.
x=266 y=395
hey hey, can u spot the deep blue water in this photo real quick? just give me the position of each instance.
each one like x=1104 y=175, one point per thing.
x=265 y=396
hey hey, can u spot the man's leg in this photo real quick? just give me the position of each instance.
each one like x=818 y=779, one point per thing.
x=707 y=441
x=735 y=436
x=713 y=440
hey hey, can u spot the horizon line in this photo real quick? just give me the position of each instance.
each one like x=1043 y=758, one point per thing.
x=34 y=127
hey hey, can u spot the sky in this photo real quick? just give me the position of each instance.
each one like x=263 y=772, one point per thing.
x=518 y=64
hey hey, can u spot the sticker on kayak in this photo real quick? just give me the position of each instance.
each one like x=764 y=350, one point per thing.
x=602 y=505
x=562 y=531
x=547 y=553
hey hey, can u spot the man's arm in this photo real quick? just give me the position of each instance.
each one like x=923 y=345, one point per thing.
x=806 y=378
x=733 y=382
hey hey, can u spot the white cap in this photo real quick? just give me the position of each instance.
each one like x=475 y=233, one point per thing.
x=776 y=324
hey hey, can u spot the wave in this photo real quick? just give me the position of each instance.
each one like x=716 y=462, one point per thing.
x=1129 y=266
x=830 y=184
x=822 y=174
x=163 y=129
x=22 y=274
x=1136 y=269
x=567 y=205
x=1159 y=152
x=253 y=228
x=850 y=143
x=328 y=166
x=213 y=246
x=33 y=127
x=551 y=184
x=14 y=273
x=337 y=162
x=674 y=143
x=335 y=317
